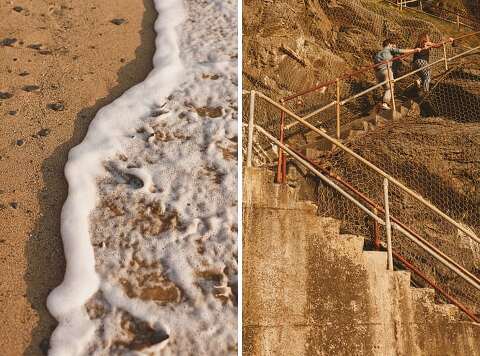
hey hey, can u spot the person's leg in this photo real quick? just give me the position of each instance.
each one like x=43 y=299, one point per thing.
x=427 y=80
x=382 y=75
x=387 y=98
x=425 y=75
x=416 y=66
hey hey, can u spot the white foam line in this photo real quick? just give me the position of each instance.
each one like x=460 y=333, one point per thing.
x=66 y=302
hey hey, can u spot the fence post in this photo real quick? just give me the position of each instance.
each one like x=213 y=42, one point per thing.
x=391 y=86
x=376 y=231
x=458 y=21
x=280 y=174
x=388 y=226
x=445 y=56
x=250 y=128
x=421 y=5
x=338 y=109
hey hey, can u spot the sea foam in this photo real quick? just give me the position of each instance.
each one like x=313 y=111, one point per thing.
x=149 y=224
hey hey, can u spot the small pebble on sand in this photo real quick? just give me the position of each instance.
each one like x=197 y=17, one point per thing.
x=8 y=41
x=30 y=88
x=12 y=112
x=36 y=46
x=23 y=74
x=14 y=204
x=18 y=9
x=56 y=106
x=43 y=132
x=20 y=142
x=5 y=95
x=118 y=22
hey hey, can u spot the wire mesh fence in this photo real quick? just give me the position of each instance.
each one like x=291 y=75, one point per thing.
x=291 y=47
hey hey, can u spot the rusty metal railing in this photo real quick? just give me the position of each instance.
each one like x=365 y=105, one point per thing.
x=389 y=222
x=339 y=102
x=457 y=18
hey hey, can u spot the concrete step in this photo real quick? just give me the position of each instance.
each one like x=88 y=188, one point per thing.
x=377 y=260
x=321 y=144
x=307 y=206
x=377 y=120
x=355 y=242
x=261 y=190
x=423 y=295
x=448 y=311
x=404 y=278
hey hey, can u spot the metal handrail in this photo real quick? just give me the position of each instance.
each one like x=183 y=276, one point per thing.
x=457 y=14
x=373 y=87
x=337 y=143
x=377 y=208
x=369 y=67
x=390 y=223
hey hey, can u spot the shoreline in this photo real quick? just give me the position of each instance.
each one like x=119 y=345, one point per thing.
x=95 y=72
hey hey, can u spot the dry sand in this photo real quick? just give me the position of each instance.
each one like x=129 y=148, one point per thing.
x=84 y=62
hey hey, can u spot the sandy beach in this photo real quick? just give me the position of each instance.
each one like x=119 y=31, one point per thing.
x=58 y=65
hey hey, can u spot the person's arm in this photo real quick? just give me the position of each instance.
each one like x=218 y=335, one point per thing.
x=397 y=51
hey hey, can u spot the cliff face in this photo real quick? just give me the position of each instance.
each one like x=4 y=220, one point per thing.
x=292 y=45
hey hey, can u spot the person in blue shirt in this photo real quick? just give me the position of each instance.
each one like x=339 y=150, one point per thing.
x=388 y=52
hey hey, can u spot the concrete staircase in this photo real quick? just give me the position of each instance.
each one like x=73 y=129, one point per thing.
x=310 y=290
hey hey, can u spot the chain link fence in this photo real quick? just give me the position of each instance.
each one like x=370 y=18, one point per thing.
x=291 y=47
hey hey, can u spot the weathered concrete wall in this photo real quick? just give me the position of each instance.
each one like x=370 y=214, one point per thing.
x=307 y=290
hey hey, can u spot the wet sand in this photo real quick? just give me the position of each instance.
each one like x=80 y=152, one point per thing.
x=58 y=66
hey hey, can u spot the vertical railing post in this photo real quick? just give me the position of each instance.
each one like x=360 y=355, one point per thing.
x=445 y=56
x=376 y=231
x=458 y=21
x=284 y=159
x=421 y=5
x=250 y=128
x=391 y=86
x=280 y=175
x=388 y=226
x=338 y=109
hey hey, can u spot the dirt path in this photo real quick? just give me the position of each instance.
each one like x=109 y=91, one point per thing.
x=59 y=64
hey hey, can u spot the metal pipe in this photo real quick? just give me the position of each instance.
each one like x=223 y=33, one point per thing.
x=338 y=109
x=397 y=256
x=433 y=251
x=440 y=256
x=366 y=91
x=373 y=167
x=280 y=151
x=250 y=128
x=463 y=53
x=376 y=231
x=445 y=56
x=409 y=74
x=318 y=174
x=388 y=226
x=295 y=123
x=432 y=284
x=365 y=68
